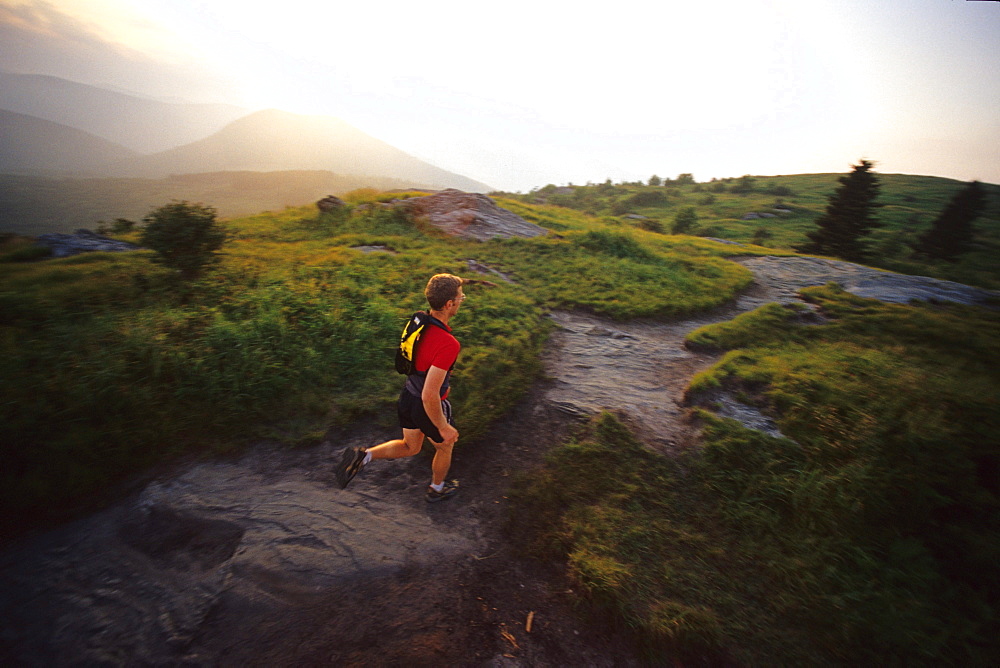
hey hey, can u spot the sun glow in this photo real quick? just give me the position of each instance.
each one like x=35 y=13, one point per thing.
x=621 y=91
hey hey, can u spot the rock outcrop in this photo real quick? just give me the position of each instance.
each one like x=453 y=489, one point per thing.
x=82 y=241
x=330 y=203
x=785 y=276
x=223 y=542
x=468 y=215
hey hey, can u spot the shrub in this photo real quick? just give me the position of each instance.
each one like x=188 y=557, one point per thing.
x=685 y=220
x=185 y=236
x=26 y=254
x=761 y=236
x=648 y=198
x=651 y=225
x=122 y=226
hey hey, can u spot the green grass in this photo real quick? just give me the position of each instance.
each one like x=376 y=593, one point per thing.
x=871 y=536
x=910 y=205
x=109 y=364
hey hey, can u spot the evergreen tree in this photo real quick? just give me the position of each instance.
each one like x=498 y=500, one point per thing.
x=685 y=220
x=185 y=236
x=849 y=216
x=951 y=232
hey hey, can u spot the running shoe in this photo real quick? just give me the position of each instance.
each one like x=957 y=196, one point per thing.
x=350 y=465
x=449 y=490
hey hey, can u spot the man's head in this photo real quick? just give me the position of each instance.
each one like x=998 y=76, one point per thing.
x=441 y=289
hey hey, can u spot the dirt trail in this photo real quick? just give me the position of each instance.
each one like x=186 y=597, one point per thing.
x=262 y=560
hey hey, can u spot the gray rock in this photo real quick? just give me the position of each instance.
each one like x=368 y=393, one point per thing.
x=134 y=584
x=787 y=275
x=481 y=268
x=724 y=404
x=373 y=249
x=724 y=241
x=82 y=241
x=330 y=203
x=468 y=215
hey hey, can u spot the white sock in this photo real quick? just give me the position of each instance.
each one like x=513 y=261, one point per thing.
x=437 y=488
x=368 y=458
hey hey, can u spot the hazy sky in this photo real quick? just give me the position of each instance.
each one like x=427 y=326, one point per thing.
x=520 y=94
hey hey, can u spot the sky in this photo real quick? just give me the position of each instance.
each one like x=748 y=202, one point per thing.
x=529 y=92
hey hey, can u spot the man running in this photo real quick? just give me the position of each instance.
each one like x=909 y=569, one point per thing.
x=423 y=407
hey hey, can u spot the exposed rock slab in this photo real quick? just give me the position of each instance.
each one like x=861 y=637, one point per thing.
x=641 y=369
x=638 y=370
x=786 y=275
x=135 y=584
x=469 y=215
x=82 y=241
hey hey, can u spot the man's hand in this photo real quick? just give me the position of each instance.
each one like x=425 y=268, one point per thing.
x=432 y=404
x=449 y=434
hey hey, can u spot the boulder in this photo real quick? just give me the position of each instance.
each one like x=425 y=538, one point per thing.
x=82 y=241
x=330 y=203
x=468 y=215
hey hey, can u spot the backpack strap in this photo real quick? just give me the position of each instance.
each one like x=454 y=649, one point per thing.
x=415 y=380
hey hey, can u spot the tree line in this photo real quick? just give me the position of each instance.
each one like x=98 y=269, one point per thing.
x=842 y=230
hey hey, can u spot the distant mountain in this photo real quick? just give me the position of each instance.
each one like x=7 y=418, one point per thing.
x=273 y=140
x=36 y=146
x=33 y=205
x=135 y=122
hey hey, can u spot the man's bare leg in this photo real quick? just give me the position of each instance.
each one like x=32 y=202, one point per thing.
x=441 y=462
x=409 y=445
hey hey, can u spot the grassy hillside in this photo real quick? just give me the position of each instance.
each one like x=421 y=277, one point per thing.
x=910 y=205
x=868 y=536
x=108 y=364
x=36 y=205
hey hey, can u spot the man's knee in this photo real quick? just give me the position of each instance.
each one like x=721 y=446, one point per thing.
x=443 y=447
x=413 y=442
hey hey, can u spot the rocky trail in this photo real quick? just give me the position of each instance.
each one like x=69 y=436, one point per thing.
x=262 y=560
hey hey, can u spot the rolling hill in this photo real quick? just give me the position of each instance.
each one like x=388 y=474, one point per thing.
x=141 y=124
x=32 y=145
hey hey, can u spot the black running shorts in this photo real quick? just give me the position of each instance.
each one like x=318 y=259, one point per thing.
x=413 y=416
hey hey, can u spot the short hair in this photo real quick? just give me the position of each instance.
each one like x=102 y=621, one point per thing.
x=442 y=288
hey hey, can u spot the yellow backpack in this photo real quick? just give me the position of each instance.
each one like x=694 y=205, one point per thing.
x=406 y=353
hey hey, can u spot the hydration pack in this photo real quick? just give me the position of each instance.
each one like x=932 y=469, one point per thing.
x=406 y=353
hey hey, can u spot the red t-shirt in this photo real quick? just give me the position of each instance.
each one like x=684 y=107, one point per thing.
x=437 y=348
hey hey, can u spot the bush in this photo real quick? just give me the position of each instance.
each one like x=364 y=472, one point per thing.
x=761 y=236
x=185 y=236
x=647 y=198
x=685 y=220
x=26 y=254
x=651 y=225
x=122 y=226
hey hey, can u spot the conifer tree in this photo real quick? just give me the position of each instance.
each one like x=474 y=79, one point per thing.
x=185 y=236
x=849 y=216
x=951 y=233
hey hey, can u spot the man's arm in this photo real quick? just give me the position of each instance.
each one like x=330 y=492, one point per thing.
x=431 y=398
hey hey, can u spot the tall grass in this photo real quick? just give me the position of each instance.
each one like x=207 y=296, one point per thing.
x=869 y=535
x=109 y=363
